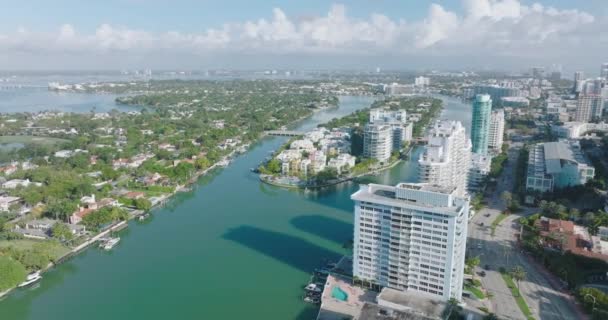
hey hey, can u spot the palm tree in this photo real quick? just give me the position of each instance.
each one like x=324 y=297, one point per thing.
x=518 y=273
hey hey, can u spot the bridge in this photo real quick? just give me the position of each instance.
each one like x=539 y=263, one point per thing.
x=284 y=133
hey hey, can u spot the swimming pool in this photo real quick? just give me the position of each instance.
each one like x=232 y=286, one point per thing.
x=339 y=294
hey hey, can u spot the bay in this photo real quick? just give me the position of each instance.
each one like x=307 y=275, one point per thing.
x=232 y=248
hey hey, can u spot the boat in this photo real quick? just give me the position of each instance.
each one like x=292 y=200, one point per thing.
x=31 y=278
x=143 y=216
x=312 y=287
x=312 y=300
x=110 y=243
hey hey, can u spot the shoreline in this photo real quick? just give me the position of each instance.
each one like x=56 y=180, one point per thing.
x=332 y=183
x=120 y=225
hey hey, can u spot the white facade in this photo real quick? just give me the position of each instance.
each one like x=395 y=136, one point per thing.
x=446 y=158
x=422 y=81
x=411 y=237
x=479 y=170
x=344 y=160
x=497 y=130
x=577 y=130
x=397 y=120
x=378 y=142
x=557 y=165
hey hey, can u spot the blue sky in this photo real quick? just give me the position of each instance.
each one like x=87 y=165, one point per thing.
x=193 y=15
x=140 y=33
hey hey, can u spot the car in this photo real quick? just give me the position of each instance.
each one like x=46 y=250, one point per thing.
x=486 y=215
x=481 y=224
x=487 y=267
x=482 y=273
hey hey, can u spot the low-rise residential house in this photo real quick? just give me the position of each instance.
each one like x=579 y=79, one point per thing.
x=8 y=170
x=13 y=184
x=303 y=144
x=77 y=216
x=319 y=161
x=151 y=179
x=167 y=147
x=69 y=153
x=41 y=229
x=289 y=155
x=566 y=236
x=6 y=202
x=344 y=160
x=134 y=195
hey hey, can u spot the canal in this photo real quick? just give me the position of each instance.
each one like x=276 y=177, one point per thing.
x=232 y=248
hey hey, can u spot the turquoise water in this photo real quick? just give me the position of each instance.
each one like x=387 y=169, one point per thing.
x=232 y=248
x=338 y=293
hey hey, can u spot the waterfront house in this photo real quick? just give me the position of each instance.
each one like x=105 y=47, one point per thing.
x=12 y=184
x=6 y=202
x=134 y=195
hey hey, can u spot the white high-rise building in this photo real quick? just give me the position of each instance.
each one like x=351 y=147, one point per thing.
x=411 y=237
x=402 y=131
x=604 y=71
x=422 y=81
x=446 y=158
x=590 y=102
x=497 y=130
x=478 y=171
x=378 y=142
x=578 y=81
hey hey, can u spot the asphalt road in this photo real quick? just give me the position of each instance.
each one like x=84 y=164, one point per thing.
x=500 y=250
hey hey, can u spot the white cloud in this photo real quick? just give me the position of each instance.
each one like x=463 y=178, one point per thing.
x=505 y=27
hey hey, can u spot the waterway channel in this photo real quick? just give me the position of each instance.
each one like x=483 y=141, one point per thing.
x=232 y=248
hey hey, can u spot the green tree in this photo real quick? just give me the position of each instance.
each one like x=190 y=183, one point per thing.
x=472 y=263
x=507 y=198
x=274 y=166
x=143 y=204
x=62 y=232
x=61 y=209
x=202 y=163
x=12 y=273
x=519 y=274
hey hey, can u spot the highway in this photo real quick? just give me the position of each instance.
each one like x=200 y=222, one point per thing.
x=500 y=250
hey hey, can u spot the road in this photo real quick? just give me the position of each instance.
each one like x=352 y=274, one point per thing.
x=500 y=250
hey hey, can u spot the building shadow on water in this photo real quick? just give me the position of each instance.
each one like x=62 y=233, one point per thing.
x=308 y=313
x=325 y=227
x=291 y=250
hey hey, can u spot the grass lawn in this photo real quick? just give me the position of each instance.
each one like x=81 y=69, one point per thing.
x=497 y=221
x=31 y=139
x=474 y=290
x=521 y=303
x=56 y=249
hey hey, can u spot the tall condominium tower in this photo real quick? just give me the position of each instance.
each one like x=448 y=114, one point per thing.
x=446 y=158
x=397 y=120
x=480 y=125
x=411 y=237
x=378 y=142
x=604 y=71
x=578 y=81
x=590 y=101
x=497 y=129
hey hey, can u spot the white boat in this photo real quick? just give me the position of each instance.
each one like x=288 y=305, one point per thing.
x=312 y=300
x=31 y=278
x=312 y=287
x=110 y=243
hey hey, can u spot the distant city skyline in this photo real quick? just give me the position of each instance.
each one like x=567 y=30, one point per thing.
x=389 y=34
